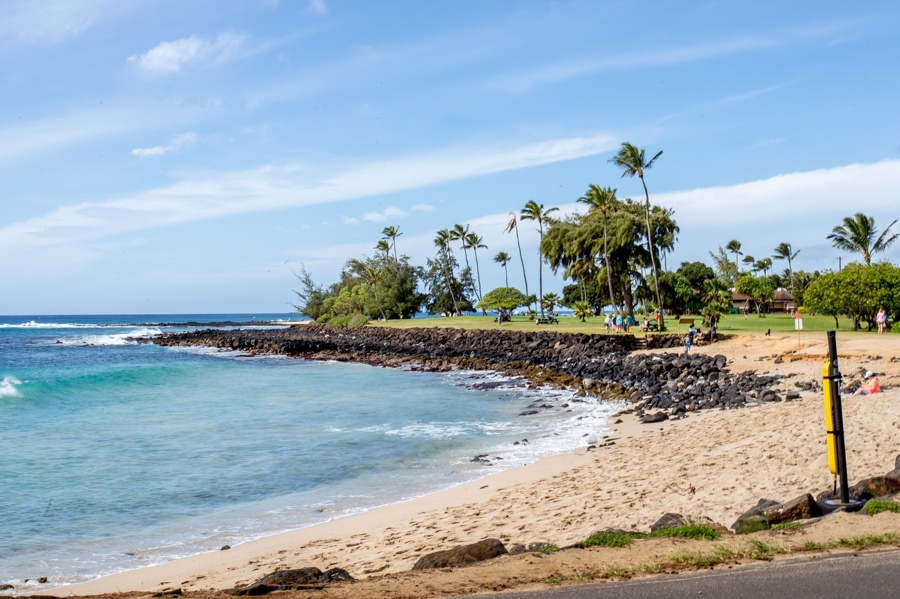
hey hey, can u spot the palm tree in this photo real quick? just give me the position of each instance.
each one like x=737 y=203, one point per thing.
x=535 y=211
x=631 y=160
x=763 y=264
x=474 y=242
x=502 y=258
x=784 y=251
x=750 y=261
x=857 y=234
x=513 y=225
x=734 y=246
x=383 y=246
x=551 y=300
x=600 y=199
x=442 y=241
x=392 y=233
x=458 y=233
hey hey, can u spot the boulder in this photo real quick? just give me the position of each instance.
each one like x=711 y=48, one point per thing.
x=767 y=513
x=299 y=578
x=877 y=486
x=462 y=555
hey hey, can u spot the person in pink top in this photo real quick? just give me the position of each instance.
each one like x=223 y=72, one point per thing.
x=881 y=321
x=870 y=386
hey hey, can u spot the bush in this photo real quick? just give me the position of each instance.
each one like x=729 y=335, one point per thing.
x=896 y=327
x=357 y=320
x=339 y=321
x=876 y=506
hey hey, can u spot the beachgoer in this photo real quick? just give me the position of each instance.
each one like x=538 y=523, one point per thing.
x=687 y=344
x=629 y=322
x=692 y=332
x=881 y=320
x=645 y=325
x=712 y=333
x=608 y=322
x=870 y=386
x=619 y=322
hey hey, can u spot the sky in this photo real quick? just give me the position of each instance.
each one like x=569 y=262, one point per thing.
x=163 y=156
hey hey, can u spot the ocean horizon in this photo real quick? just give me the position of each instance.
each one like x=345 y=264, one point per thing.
x=119 y=455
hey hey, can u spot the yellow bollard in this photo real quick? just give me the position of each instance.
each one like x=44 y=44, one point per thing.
x=829 y=419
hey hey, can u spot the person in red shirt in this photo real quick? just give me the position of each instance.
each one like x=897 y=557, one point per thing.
x=870 y=386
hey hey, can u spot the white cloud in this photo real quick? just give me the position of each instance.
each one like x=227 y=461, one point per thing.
x=50 y=20
x=318 y=7
x=175 y=144
x=349 y=220
x=378 y=217
x=423 y=208
x=171 y=57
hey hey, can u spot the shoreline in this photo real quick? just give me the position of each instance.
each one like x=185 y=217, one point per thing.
x=562 y=499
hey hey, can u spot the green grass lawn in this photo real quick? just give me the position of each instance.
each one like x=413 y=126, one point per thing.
x=753 y=324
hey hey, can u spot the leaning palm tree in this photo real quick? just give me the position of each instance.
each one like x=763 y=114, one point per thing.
x=734 y=246
x=602 y=200
x=857 y=234
x=474 y=242
x=442 y=242
x=535 y=211
x=392 y=232
x=631 y=160
x=784 y=251
x=513 y=225
x=502 y=258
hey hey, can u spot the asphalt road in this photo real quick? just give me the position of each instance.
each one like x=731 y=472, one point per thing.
x=870 y=575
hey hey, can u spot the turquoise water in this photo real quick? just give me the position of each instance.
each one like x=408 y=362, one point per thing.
x=116 y=455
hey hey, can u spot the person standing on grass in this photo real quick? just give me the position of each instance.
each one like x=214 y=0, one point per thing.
x=881 y=321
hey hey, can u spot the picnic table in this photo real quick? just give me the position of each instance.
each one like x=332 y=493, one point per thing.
x=547 y=320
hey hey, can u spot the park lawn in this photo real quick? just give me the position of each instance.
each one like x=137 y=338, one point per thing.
x=730 y=324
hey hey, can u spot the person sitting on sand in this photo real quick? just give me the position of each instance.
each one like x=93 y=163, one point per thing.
x=870 y=386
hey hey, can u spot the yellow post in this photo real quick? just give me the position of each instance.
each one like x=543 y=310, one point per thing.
x=829 y=418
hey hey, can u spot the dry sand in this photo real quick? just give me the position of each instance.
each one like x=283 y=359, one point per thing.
x=716 y=464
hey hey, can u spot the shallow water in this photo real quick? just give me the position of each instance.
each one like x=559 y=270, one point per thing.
x=116 y=455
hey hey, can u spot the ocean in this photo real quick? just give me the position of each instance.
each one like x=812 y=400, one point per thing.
x=116 y=455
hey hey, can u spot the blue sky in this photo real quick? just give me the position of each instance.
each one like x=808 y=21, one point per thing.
x=171 y=156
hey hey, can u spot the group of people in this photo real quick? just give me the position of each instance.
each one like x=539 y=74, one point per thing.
x=618 y=323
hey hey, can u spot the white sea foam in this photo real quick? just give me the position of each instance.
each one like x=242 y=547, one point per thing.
x=47 y=325
x=8 y=387
x=123 y=338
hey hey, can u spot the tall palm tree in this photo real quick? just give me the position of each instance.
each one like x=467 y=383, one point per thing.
x=392 y=232
x=784 y=251
x=513 y=225
x=442 y=241
x=502 y=258
x=734 y=246
x=458 y=233
x=474 y=242
x=857 y=234
x=535 y=211
x=602 y=200
x=631 y=160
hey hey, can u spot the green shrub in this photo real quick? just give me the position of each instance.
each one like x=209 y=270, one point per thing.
x=876 y=506
x=896 y=327
x=695 y=530
x=339 y=321
x=608 y=539
x=357 y=320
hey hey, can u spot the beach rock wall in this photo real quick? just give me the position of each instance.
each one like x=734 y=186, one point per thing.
x=666 y=384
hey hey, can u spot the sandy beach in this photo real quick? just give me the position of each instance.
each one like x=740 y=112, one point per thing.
x=714 y=464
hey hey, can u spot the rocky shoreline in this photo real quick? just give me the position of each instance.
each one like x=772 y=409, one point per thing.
x=659 y=386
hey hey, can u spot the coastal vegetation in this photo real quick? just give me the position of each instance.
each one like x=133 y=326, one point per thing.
x=614 y=257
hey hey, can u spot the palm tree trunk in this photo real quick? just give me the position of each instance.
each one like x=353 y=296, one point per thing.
x=505 y=274
x=477 y=272
x=612 y=299
x=652 y=256
x=540 y=269
x=522 y=259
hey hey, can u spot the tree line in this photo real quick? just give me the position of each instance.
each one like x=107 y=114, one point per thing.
x=614 y=255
